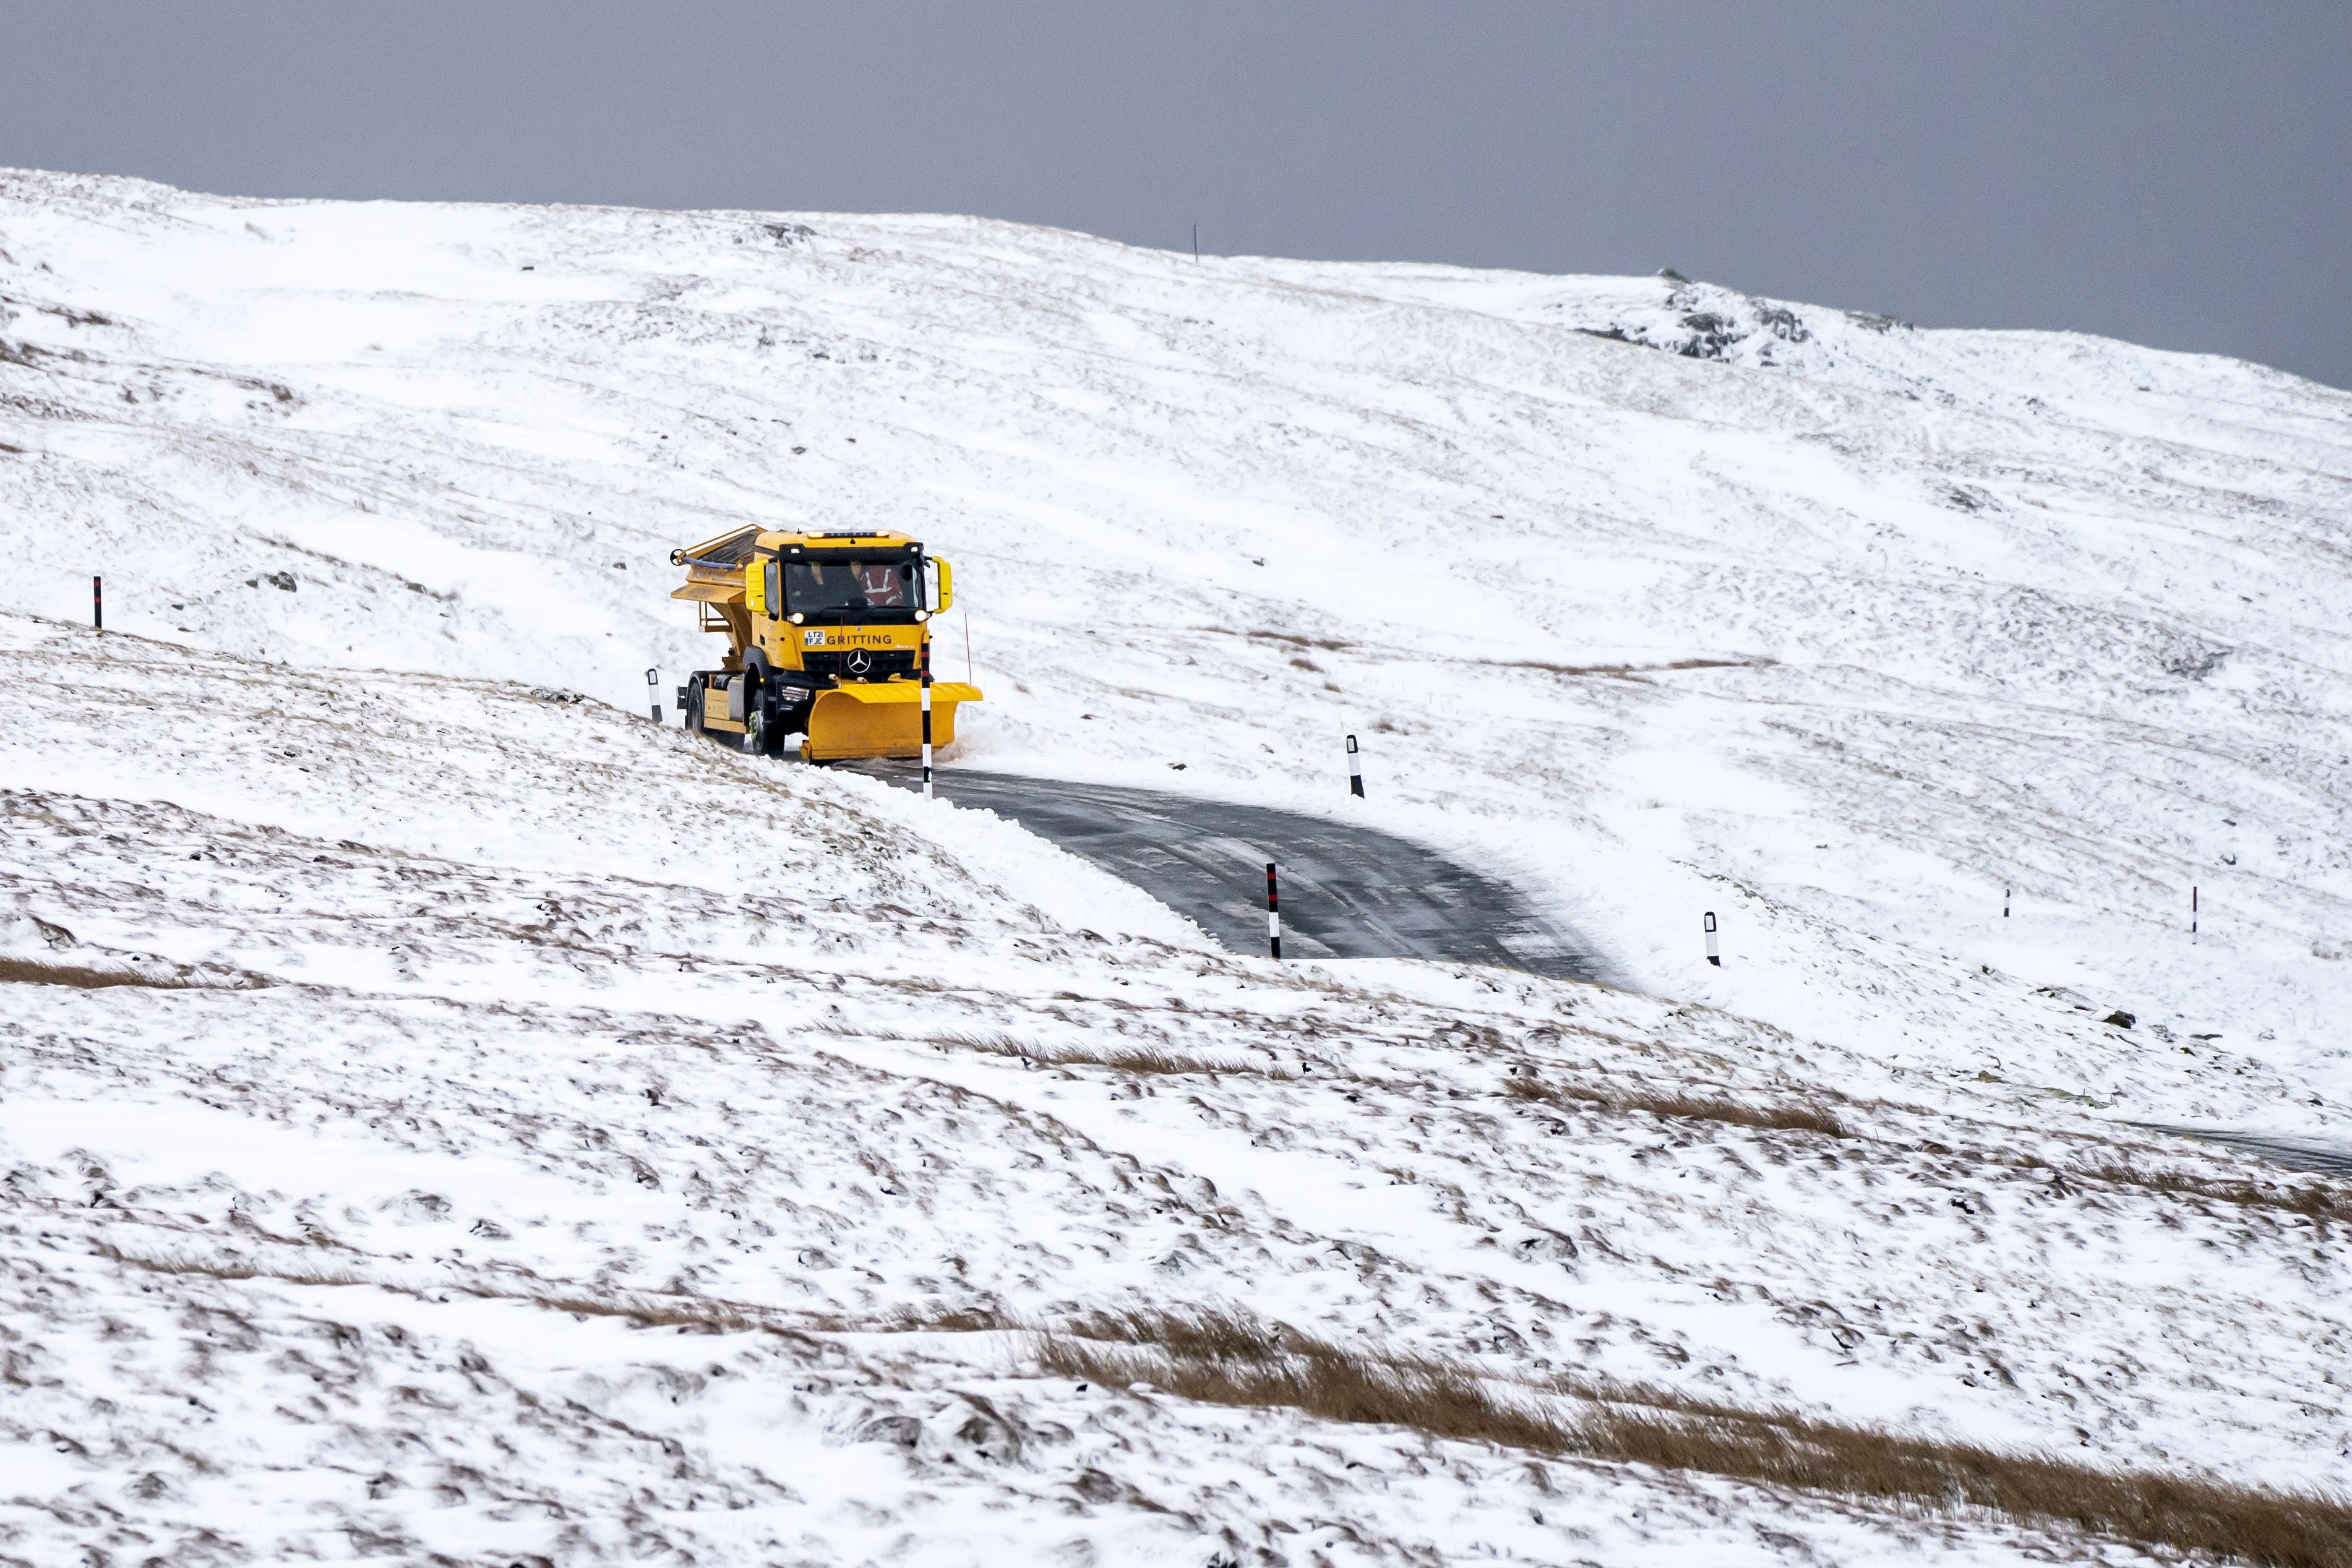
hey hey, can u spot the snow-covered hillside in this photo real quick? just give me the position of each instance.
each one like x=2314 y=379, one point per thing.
x=482 y=1045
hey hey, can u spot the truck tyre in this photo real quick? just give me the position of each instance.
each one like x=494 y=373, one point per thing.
x=760 y=717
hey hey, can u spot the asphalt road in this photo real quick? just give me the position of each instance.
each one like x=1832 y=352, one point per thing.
x=2296 y=1154
x=1348 y=892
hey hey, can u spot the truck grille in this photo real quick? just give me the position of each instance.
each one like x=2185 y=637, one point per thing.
x=882 y=662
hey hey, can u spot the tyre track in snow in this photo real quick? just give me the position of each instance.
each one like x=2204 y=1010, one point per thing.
x=1348 y=891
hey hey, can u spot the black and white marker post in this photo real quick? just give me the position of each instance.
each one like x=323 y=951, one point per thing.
x=926 y=700
x=653 y=692
x=98 y=604
x=1272 y=915
x=1714 y=953
x=2192 y=915
x=1355 y=770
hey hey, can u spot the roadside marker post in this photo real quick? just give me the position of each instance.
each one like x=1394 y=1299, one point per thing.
x=2004 y=904
x=1355 y=770
x=653 y=692
x=2192 y=915
x=96 y=604
x=1714 y=953
x=926 y=700
x=1273 y=914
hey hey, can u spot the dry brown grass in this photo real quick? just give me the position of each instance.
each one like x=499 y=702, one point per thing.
x=1330 y=645
x=1757 y=664
x=1783 y=1117
x=34 y=972
x=1223 y=1359
x=949 y=1320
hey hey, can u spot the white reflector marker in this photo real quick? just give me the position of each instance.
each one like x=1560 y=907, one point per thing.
x=1714 y=953
x=1355 y=770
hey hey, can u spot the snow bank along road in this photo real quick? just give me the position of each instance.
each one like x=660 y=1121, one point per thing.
x=440 y=1116
x=1348 y=891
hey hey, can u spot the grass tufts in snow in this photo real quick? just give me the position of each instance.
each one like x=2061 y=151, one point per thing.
x=639 y=1309
x=647 y=1309
x=2311 y=1197
x=300 y=1271
x=1148 y=1060
x=1228 y=1359
x=2314 y=1199
x=1784 y=1117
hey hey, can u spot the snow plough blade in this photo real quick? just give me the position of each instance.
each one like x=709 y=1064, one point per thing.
x=881 y=719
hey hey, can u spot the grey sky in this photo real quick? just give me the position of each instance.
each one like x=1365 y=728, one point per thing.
x=2169 y=172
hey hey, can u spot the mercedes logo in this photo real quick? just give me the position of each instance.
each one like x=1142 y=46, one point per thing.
x=858 y=662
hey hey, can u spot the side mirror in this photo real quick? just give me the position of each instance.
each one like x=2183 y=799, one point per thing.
x=946 y=598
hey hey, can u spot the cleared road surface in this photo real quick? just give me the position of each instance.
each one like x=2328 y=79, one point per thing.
x=2317 y=1155
x=1348 y=892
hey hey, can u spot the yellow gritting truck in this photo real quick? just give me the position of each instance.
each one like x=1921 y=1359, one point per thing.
x=828 y=637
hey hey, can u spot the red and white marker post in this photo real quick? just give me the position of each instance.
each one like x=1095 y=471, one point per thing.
x=1272 y=915
x=926 y=700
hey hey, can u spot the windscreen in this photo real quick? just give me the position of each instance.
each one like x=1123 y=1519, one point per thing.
x=849 y=585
